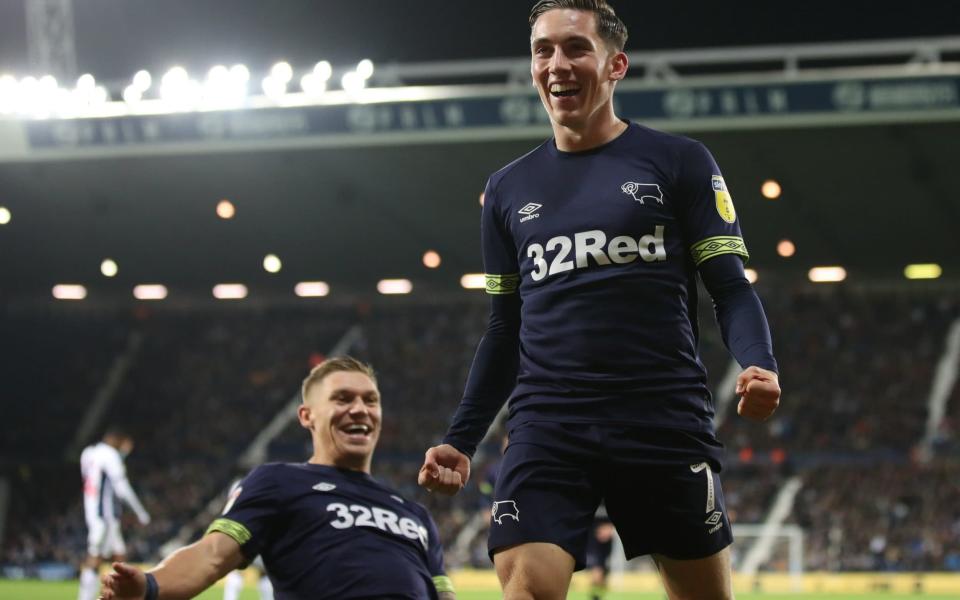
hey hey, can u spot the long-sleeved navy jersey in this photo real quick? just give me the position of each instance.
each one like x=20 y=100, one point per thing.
x=325 y=532
x=603 y=247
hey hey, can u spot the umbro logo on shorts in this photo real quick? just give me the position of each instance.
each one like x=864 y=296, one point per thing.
x=503 y=509
x=714 y=521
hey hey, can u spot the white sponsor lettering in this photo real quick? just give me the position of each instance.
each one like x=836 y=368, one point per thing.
x=589 y=245
x=378 y=518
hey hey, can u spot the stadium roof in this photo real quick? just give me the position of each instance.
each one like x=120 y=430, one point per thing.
x=870 y=198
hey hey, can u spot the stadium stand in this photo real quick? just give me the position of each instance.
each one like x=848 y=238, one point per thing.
x=204 y=383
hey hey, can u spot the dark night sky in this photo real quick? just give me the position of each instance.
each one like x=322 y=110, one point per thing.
x=114 y=38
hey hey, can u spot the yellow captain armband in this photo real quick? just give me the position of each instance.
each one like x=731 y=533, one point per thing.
x=502 y=284
x=717 y=245
x=443 y=584
x=237 y=531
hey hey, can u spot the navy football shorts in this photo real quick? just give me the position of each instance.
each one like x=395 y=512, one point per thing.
x=661 y=494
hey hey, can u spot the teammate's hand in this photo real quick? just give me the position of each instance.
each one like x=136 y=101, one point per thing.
x=125 y=583
x=445 y=470
x=759 y=391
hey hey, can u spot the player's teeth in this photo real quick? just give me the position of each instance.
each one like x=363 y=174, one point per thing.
x=560 y=88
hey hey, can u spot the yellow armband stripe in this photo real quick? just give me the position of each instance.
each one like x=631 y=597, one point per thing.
x=715 y=246
x=237 y=531
x=502 y=284
x=443 y=584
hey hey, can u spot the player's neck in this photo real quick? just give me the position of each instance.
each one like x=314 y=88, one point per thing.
x=350 y=463
x=603 y=128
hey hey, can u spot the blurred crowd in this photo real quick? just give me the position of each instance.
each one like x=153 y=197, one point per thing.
x=856 y=367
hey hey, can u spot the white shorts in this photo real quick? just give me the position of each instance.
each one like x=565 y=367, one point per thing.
x=104 y=539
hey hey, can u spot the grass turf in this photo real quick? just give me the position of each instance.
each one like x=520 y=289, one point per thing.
x=38 y=590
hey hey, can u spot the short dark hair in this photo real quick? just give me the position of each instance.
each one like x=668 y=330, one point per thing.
x=609 y=26
x=332 y=365
x=117 y=432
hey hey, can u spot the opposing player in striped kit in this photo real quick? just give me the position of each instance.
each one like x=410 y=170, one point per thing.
x=104 y=483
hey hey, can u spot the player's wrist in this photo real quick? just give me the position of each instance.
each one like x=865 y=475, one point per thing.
x=153 y=590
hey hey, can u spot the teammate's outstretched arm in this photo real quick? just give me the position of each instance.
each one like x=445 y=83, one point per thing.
x=182 y=575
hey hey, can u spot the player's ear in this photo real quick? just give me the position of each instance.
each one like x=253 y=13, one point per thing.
x=303 y=414
x=618 y=66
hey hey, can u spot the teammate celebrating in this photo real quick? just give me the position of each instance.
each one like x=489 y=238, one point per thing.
x=592 y=244
x=325 y=528
x=104 y=480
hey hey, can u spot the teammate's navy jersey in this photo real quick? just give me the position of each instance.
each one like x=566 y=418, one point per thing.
x=325 y=532
x=602 y=247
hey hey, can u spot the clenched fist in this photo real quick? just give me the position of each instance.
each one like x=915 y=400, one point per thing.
x=759 y=391
x=445 y=469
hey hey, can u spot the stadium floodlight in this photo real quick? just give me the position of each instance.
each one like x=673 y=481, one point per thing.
x=272 y=263
x=150 y=291
x=352 y=83
x=109 y=268
x=221 y=88
x=86 y=83
x=69 y=291
x=394 y=286
x=218 y=73
x=47 y=83
x=8 y=94
x=142 y=80
x=240 y=73
x=827 y=274
x=100 y=95
x=229 y=291
x=786 y=248
x=311 y=289
x=751 y=274
x=132 y=94
x=770 y=189
x=923 y=271
x=473 y=281
x=225 y=209
x=274 y=88
x=312 y=85
x=175 y=76
x=323 y=70
x=431 y=259
x=365 y=68
x=282 y=72
x=177 y=88
x=5 y=215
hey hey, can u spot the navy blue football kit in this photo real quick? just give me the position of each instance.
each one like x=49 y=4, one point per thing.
x=325 y=532
x=591 y=260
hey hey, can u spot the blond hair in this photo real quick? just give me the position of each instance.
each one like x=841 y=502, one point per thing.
x=333 y=365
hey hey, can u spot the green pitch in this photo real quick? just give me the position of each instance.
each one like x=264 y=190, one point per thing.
x=36 y=590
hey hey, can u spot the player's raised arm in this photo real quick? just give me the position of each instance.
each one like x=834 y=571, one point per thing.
x=493 y=373
x=182 y=575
